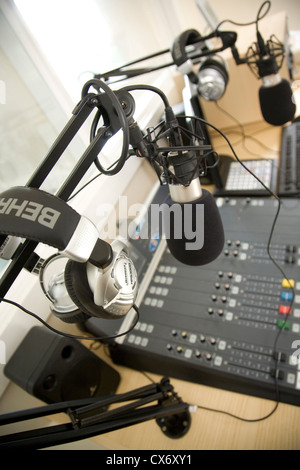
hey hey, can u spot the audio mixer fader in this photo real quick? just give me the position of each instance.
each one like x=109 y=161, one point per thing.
x=217 y=324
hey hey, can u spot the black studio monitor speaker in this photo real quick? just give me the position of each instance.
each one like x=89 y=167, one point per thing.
x=55 y=368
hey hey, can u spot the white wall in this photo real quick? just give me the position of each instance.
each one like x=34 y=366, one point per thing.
x=245 y=11
x=242 y=11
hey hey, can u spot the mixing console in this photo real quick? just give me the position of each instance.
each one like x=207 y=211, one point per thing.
x=228 y=324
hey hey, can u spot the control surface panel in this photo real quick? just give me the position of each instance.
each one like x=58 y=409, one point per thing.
x=232 y=324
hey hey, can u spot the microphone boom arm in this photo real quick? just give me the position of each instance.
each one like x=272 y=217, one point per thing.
x=89 y=417
x=81 y=112
x=228 y=39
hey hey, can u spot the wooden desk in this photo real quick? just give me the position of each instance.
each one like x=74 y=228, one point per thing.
x=209 y=430
x=259 y=140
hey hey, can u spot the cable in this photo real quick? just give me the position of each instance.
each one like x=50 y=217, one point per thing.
x=122 y=117
x=243 y=132
x=235 y=155
x=68 y=335
x=149 y=88
x=258 y=17
x=98 y=84
x=93 y=179
x=84 y=186
x=240 y=418
x=231 y=415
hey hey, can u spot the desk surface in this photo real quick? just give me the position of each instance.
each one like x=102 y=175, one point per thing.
x=209 y=429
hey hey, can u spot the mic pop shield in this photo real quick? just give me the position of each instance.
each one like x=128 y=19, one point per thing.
x=276 y=103
x=194 y=230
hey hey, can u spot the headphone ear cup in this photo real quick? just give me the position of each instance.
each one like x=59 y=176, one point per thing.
x=217 y=65
x=76 y=316
x=218 y=78
x=78 y=288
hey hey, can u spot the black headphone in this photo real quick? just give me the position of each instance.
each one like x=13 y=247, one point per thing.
x=216 y=84
x=99 y=279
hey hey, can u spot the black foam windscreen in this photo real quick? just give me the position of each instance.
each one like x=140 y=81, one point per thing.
x=277 y=104
x=200 y=217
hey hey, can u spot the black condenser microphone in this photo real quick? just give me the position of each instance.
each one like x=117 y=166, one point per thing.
x=192 y=224
x=275 y=94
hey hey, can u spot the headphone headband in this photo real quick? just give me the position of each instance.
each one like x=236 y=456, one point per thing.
x=37 y=215
x=184 y=64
